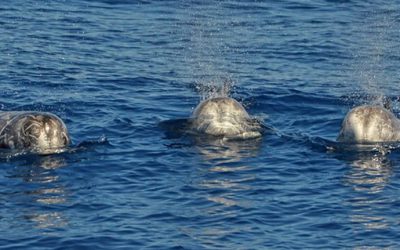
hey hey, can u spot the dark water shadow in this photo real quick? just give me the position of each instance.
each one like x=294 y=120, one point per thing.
x=178 y=133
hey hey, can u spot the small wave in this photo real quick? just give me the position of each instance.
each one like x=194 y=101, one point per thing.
x=179 y=128
x=15 y=154
x=331 y=146
x=383 y=148
x=84 y=145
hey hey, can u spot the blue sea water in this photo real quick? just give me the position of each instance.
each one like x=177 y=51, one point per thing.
x=115 y=70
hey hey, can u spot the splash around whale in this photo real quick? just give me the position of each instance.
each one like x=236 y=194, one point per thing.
x=38 y=132
x=370 y=124
x=224 y=117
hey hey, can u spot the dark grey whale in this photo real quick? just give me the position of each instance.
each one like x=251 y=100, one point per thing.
x=370 y=124
x=224 y=116
x=41 y=132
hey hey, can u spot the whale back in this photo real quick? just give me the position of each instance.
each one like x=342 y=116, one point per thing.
x=223 y=116
x=220 y=108
x=368 y=124
x=41 y=132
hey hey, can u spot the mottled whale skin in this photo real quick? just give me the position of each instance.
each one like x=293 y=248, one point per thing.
x=370 y=124
x=41 y=132
x=226 y=117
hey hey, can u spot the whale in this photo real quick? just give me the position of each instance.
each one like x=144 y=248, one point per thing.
x=370 y=124
x=39 y=132
x=224 y=117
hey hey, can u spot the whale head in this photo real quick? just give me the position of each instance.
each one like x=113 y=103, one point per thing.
x=43 y=133
x=370 y=124
x=224 y=116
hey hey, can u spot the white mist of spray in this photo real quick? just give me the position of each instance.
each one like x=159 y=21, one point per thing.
x=375 y=60
x=206 y=55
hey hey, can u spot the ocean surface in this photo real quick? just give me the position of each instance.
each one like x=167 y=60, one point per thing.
x=117 y=70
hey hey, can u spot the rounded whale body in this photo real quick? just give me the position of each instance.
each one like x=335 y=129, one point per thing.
x=44 y=133
x=370 y=124
x=224 y=116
